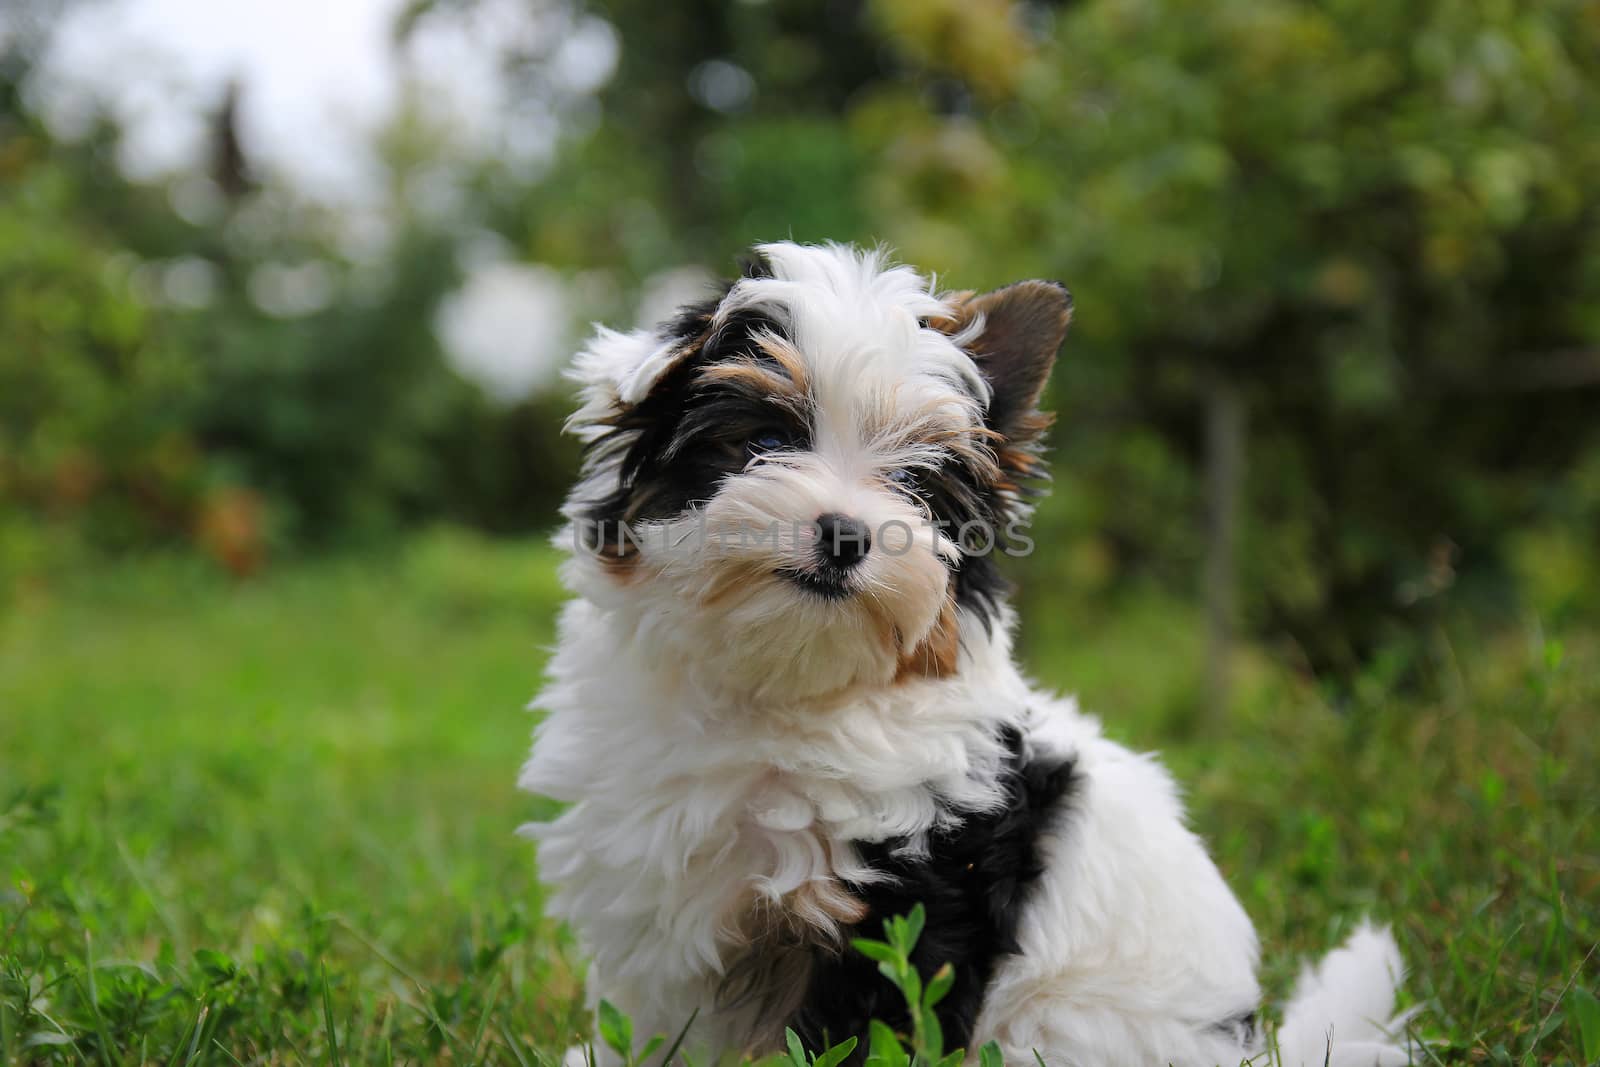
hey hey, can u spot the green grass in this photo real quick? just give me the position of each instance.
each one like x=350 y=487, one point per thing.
x=272 y=822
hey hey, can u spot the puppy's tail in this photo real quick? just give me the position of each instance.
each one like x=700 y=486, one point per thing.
x=1342 y=1010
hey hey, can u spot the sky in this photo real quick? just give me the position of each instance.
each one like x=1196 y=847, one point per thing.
x=320 y=80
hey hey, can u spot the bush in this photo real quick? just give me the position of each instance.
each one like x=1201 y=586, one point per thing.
x=94 y=386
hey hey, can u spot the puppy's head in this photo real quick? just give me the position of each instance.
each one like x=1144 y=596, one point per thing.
x=801 y=485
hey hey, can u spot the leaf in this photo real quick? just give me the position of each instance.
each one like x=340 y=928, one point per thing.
x=913 y=928
x=876 y=950
x=837 y=1054
x=1551 y=1024
x=1585 y=1012
x=938 y=986
x=884 y=1045
x=953 y=1059
x=218 y=967
x=911 y=985
x=991 y=1056
x=932 y=1036
x=797 y=1052
x=616 y=1029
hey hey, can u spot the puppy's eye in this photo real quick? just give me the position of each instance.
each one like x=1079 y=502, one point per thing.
x=767 y=440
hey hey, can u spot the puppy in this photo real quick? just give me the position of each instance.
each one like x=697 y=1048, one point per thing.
x=783 y=707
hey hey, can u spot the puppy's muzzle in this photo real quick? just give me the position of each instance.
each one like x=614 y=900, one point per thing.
x=842 y=542
x=839 y=544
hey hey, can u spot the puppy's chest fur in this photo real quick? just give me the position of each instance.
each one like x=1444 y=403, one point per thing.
x=972 y=874
x=736 y=864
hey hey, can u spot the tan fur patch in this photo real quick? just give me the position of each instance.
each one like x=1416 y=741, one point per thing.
x=788 y=357
x=811 y=914
x=776 y=941
x=982 y=449
x=732 y=579
x=756 y=377
x=960 y=316
x=885 y=628
x=789 y=386
x=618 y=555
x=1021 y=460
x=624 y=569
x=938 y=654
x=826 y=903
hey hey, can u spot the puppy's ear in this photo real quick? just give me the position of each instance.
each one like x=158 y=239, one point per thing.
x=611 y=372
x=1015 y=345
x=617 y=371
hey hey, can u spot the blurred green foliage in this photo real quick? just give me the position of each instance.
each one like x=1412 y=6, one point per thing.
x=1377 y=224
x=129 y=420
x=92 y=383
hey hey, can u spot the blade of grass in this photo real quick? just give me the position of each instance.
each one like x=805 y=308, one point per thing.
x=157 y=904
x=488 y=1009
x=514 y=1043
x=47 y=1017
x=677 y=1043
x=225 y=1052
x=8 y=1040
x=193 y=1034
x=424 y=1004
x=1489 y=974
x=327 y=1017
x=104 y=1038
x=194 y=1042
x=1544 y=1027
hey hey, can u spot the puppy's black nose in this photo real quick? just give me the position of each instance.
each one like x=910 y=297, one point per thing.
x=842 y=542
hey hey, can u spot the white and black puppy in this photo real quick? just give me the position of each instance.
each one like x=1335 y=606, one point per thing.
x=784 y=708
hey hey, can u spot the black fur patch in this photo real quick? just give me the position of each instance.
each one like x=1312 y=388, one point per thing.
x=1241 y=1027
x=971 y=511
x=974 y=882
x=687 y=435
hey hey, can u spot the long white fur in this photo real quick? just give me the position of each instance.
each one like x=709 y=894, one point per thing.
x=1344 y=1006
x=721 y=747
